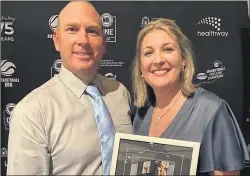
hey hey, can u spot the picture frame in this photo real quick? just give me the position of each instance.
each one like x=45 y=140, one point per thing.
x=144 y=155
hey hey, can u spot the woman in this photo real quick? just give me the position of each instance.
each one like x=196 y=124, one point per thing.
x=170 y=106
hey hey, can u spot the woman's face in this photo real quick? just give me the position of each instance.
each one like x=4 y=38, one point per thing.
x=161 y=61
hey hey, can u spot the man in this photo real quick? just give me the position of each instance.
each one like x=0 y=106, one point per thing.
x=53 y=130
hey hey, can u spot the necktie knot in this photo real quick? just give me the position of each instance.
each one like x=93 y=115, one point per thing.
x=93 y=91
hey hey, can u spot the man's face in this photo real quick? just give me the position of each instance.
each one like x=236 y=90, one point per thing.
x=79 y=39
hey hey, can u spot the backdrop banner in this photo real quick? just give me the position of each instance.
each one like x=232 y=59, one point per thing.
x=29 y=58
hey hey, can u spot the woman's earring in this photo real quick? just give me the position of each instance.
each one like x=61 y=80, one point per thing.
x=142 y=75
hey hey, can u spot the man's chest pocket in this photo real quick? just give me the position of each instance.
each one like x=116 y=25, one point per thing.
x=123 y=123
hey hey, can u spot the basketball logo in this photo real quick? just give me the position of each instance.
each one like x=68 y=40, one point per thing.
x=53 y=22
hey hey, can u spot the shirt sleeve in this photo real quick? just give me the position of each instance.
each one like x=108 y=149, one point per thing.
x=223 y=146
x=27 y=147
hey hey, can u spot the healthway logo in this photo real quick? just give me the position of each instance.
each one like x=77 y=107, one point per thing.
x=215 y=30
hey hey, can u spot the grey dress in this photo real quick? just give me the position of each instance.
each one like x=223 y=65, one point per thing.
x=208 y=119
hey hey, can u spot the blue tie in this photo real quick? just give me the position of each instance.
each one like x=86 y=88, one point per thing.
x=105 y=127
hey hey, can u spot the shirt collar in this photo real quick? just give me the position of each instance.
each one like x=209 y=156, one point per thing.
x=76 y=85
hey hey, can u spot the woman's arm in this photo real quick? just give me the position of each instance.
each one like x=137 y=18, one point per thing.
x=225 y=173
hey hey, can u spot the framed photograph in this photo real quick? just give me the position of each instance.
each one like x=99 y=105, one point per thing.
x=144 y=155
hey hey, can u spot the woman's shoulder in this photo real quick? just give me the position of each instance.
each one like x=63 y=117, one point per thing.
x=142 y=119
x=207 y=98
x=141 y=112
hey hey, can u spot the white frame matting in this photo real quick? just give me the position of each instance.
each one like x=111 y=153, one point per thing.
x=195 y=146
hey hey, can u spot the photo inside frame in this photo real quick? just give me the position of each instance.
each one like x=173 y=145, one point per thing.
x=147 y=158
x=150 y=166
x=145 y=162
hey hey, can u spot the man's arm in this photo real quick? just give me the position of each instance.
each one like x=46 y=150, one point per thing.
x=27 y=147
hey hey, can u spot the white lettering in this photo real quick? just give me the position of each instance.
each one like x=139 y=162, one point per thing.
x=212 y=34
x=7 y=39
x=9 y=80
x=109 y=31
x=9 y=28
x=7 y=19
x=215 y=77
x=8 y=85
x=50 y=36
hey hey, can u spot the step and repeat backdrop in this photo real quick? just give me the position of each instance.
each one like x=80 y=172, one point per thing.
x=219 y=32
